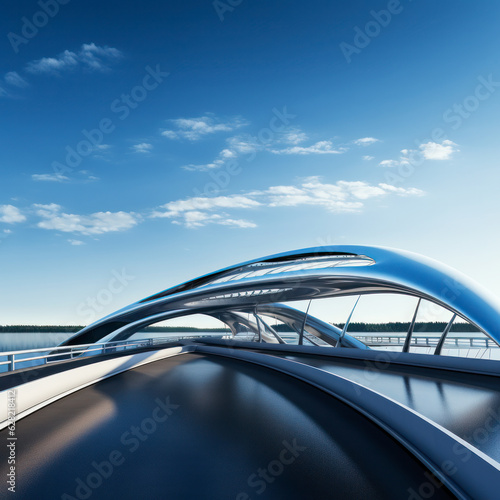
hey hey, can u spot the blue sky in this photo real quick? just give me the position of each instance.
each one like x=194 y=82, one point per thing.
x=146 y=143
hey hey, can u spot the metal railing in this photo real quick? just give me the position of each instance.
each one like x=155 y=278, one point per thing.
x=428 y=341
x=44 y=355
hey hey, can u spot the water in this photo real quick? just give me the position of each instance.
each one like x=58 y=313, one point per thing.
x=21 y=341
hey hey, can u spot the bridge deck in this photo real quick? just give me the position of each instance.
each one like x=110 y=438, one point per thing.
x=466 y=404
x=228 y=421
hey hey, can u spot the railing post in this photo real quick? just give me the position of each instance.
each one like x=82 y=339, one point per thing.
x=12 y=360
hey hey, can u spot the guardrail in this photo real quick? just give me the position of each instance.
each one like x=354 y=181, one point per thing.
x=47 y=354
x=428 y=341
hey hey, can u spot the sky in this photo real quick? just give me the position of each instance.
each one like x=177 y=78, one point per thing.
x=147 y=143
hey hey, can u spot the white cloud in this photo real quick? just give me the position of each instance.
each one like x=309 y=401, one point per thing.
x=198 y=211
x=243 y=144
x=341 y=197
x=11 y=214
x=76 y=242
x=238 y=223
x=170 y=134
x=64 y=61
x=88 y=175
x=389 y=163
x=361 y=190
x=57 y=177
x=236 y=146
x=143 y=147
x=366 y=141
x=368 y=157
x=428 y=151
x=96 y=57
x=174 y=208
x=13 y=78
x=50 y=177
x=321 y=147
x=435 y=151
x=294 y=136
x=7 y=231
x=46 y=210
x=90 y=57
x=97 y=223
x=194 y=129
x=402 y=191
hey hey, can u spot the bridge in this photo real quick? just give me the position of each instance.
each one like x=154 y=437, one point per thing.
x=250 y=415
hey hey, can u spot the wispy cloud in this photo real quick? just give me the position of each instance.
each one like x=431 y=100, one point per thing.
x=50 y=177
x=97 y=223
x=15 y=79
x=427 y=151
x=401 y=191
x=198 y=211
x=321 y=147
x=341 y=197
x=366 y=141
x=11 y=214
x=194 y=129
x=195 y=212
x=98 y=58
x=246 y=144
x=90 y=57
x=143 y=147
x=368 y=158
x=235 y=147
x=81 y=175
x=389 y=163
x=76 y=242
x=283 y=142
x=294 y=136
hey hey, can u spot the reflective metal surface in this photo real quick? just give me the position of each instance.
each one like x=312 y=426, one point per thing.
x=199 y=426
x=313 y=273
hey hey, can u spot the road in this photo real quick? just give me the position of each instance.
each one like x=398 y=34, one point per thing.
x=199 y=426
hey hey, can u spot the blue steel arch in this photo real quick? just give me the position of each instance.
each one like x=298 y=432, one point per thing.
x=308 y=273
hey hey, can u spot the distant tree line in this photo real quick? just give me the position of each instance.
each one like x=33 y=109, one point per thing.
x=39 y=329
x=431 y=326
